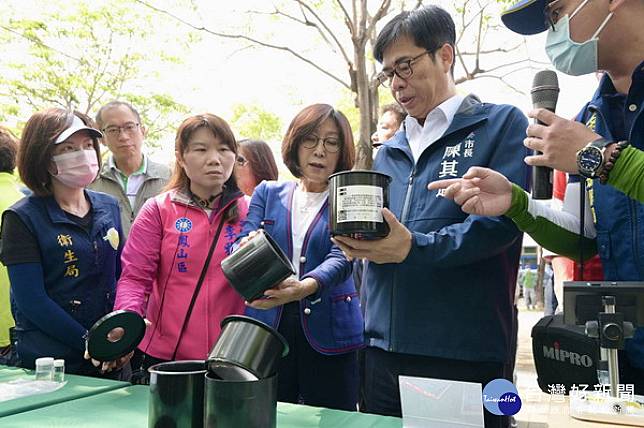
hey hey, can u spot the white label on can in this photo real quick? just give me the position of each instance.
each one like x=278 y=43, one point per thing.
x=359 y=203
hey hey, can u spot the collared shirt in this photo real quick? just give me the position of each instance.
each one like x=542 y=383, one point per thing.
x=133 y=183
x=617 y=121
x=436 y=123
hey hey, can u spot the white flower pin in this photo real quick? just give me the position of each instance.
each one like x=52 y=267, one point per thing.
x=112 y=236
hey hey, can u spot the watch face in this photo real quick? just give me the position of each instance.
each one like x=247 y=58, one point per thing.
x=589 y=160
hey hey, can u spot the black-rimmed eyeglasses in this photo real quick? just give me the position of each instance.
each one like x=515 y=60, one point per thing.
x=330 y=144
x=115 y=131
x=402 y=69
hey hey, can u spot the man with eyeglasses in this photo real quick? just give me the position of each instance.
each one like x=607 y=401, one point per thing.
x=128 y=174
x=604 y=146
x=439 y=289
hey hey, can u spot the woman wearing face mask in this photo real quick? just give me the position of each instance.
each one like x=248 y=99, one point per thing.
x=169 y=243
x=318 y=310
x=61 y=245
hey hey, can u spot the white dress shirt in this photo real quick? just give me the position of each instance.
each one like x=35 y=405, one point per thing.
x=436 y=123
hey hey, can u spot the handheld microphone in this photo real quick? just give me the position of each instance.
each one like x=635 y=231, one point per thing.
x=545 y=92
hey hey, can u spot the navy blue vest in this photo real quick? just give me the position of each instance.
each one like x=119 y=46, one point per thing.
x=80 y=269
x=619 y=220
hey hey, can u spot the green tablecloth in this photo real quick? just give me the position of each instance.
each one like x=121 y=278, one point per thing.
x=76 y=387
x=296 y=416
x=128 y=407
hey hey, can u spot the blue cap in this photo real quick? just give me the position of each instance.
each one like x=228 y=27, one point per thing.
x=526 y=17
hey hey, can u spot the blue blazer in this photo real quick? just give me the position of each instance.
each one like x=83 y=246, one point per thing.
x=331 y=318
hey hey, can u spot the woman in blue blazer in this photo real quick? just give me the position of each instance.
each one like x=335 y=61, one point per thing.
x=317 y=310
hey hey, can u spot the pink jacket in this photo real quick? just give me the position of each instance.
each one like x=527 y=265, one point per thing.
x=163 y=258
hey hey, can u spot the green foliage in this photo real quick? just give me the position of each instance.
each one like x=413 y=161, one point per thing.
x=253 y=121
x=82 y=55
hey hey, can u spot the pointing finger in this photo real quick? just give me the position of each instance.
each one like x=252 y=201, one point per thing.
x=442 y=184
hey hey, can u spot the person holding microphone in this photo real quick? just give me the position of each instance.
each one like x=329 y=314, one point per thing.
x=604 y=145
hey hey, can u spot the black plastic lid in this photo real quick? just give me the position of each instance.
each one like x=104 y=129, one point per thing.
x=101 y=348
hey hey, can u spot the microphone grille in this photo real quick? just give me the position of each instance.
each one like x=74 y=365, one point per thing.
x=545 y=89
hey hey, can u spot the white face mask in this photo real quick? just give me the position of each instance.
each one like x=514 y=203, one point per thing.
x=569 y=56
x=76 y=169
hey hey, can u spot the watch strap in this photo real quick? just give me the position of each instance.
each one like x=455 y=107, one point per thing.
x=599 y=145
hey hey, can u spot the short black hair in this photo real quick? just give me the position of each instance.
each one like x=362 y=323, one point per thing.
x=430 y=27
x=8 y=150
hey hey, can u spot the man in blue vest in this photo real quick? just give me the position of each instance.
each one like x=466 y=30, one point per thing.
x=605 y=145
x=439 y=289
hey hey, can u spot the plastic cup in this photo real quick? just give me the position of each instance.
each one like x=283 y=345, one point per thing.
x=59 y=371
x=45 y=368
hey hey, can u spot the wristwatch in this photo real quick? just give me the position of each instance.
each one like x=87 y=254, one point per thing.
x=590 y=159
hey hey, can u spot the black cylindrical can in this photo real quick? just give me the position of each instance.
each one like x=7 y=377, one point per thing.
x=257 y=266
x=356 y=199
x=235 y=404
x=176 y=394
x=247 y=349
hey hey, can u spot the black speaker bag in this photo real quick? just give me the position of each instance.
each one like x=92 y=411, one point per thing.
x=563 y=354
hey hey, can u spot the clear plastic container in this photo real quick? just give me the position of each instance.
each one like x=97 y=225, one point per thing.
x=44 y=368
x=59 y=371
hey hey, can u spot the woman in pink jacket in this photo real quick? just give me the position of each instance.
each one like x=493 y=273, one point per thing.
x=169 y=242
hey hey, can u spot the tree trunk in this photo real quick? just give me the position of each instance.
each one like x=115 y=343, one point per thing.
x=365 y=99
x=373 y=120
